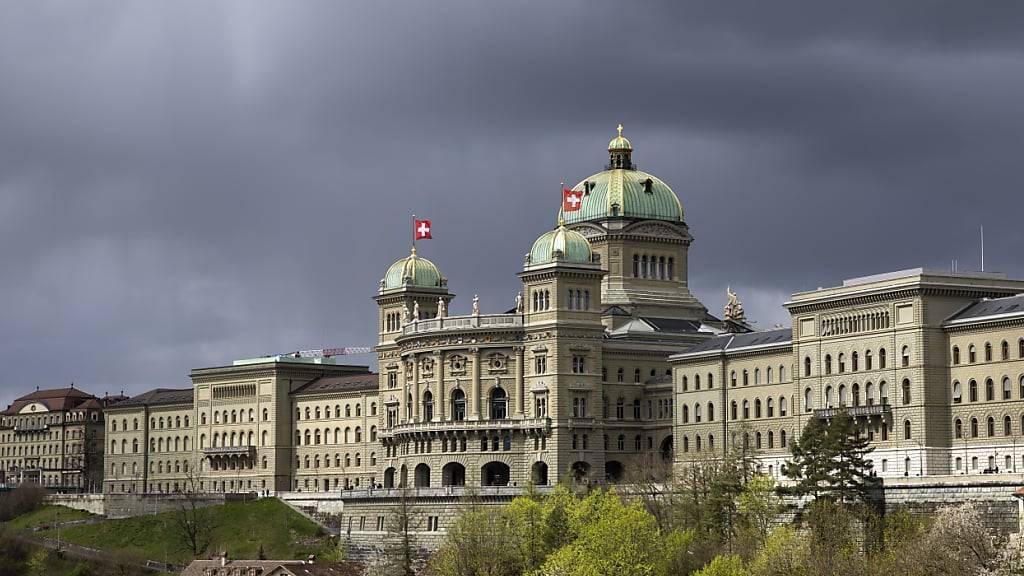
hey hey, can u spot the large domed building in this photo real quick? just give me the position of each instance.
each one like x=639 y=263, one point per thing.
x=575 y=379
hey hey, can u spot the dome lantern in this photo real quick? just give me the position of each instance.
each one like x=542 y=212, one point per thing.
x=620 y=152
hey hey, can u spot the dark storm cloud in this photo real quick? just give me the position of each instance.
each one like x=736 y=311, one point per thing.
x=182 y=183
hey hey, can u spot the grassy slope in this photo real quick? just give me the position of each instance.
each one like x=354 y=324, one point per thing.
x=46 y=515
x=241 y=528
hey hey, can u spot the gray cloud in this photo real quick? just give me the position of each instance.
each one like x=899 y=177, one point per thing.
x=184 y=184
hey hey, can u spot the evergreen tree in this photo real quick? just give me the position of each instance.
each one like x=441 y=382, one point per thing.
x=829 y=461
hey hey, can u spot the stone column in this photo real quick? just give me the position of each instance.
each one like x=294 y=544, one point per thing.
x=439 y=400
x=416 y=389
x=415 y=386
x=474 y=406
x=520 y=382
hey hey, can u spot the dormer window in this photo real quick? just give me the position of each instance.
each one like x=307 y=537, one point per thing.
x=648 y=183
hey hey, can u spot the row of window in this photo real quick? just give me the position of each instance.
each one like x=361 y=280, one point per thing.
x=860 y=322
x=620 y=374
x=990 y=427
x=180 y=443
x=541 y=300
x=57 y=418
x=759 y=441
x=734 y=409
x=314 y=413
x=1004 y=352
x=846 y=397
x=990 y=393
x=664 y=406
x=657 y=267
x=314 y=437
x=578 y=299
x=38 y=449
x=313 y=461
x=855 y=361
x=392 y=321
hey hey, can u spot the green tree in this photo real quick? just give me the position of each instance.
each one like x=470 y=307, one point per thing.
x=731 y=565
x=612 y=539
x=829 y=461
x=759 y=507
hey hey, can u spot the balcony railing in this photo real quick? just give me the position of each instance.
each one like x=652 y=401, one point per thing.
x=248 y=451
x=855 y=411
x=470 y=322
x=466 y=426
x=31 y=428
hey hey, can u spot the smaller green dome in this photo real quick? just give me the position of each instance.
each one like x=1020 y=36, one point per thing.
x=561 y=244
x=413 y=270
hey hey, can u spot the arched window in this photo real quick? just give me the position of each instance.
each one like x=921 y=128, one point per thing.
x=972 y=391
x=770 y=407
x=711 y=412
x=974 y=427
x=958 y=429
x=989 y=390
x=499 y=404
x=636 y=265
x=757 y=376
x=853 y=361
x=746 y=409
x=856 y=394
x=1007 y=426
x=972 y=354
x=1004 y=348
x=733 y=409
x=906 y=430
x=807 y=366
x=808 y=403
x=881 y=358
x=842 y=395
x=867 y=359
x=842 y=363
x=732 y=378
x=1007 y=388
x=696 y=415
x=686 y=414
x=782 y=405
x=906 y=391
x=905 y=356
x=991 y=426
x=757 y=408
x=458 y=405
x=828 y=363
x=428 y=406
x=828 y=397
x=883 y=393
x=988 y=351
x=957 y=392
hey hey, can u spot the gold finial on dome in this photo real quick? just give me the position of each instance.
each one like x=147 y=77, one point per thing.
x=620 y=129
x=413 y=251
x=561 y=221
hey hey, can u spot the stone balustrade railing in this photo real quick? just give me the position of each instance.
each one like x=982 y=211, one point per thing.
x=467 y=426
x=469 y=322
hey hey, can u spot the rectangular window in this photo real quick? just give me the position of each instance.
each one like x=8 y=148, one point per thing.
x=579 y=407
x=541 y=364
x=578 y=365
x=380 y=523
x=392 y=379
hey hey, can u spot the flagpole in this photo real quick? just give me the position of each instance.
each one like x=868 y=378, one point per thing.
x=413 y=232
x=561 y=203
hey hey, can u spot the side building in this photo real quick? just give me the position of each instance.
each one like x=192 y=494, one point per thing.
x=54 y=438
x=268 y=424
x=930 y=363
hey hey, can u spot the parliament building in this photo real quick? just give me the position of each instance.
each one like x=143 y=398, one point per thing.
x=604 y=369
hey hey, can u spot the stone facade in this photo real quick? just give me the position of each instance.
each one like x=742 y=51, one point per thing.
x=931 y=364
x=54 y=438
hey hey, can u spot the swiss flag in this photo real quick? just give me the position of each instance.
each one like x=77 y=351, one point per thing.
x=571 y=200
x=421 y=230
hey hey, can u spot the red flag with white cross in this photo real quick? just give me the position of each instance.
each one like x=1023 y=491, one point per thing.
x=421 y=230
x=571 y=200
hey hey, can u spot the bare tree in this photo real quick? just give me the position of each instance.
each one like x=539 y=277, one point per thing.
x=401 y=552
x=193 y=523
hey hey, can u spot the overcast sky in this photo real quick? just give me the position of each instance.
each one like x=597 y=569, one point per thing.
x=187 y=183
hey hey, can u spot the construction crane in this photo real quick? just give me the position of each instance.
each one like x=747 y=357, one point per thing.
x=328 y=352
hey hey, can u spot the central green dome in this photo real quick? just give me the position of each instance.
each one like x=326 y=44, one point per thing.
x=624 y=191
x=563 y=245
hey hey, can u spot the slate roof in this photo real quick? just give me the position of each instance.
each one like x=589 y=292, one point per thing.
x=53 y=399
x=348 y=383
x=673 y=325
x=986 y=307
x=735 y=341
x=158 y=397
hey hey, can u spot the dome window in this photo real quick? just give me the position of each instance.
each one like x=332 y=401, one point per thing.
x=647 y=186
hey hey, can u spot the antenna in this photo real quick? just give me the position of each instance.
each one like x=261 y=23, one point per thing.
x=983 y=248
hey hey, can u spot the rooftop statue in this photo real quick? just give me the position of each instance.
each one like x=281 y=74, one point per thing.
x=733 y=308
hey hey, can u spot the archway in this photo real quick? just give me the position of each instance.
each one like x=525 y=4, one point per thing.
x=453 y=474
x=580 y=471
x=389 y=478
x=421 y=476
x=667 y=449
x=539 y=473
x=614 y=471
x=495 y=474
